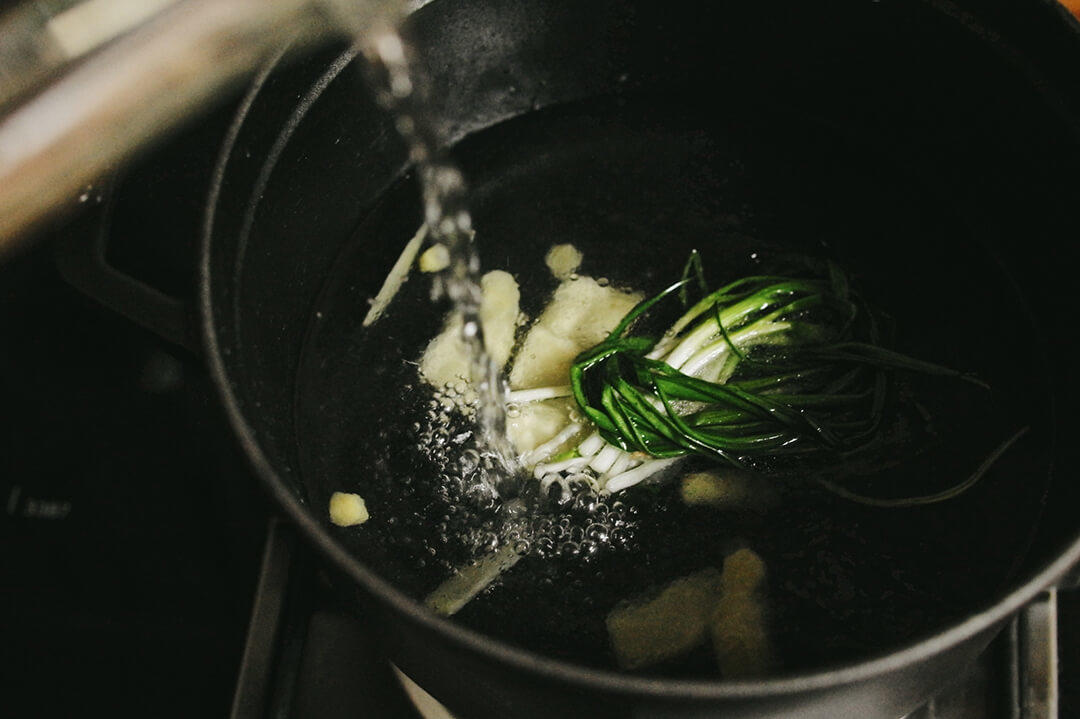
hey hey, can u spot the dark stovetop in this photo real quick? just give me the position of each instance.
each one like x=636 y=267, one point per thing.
x=133 y=536
x=131 y=532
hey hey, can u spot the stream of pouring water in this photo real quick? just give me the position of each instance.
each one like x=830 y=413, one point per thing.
x=400 y=87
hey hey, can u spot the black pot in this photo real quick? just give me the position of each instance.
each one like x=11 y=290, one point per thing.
x=919 y=136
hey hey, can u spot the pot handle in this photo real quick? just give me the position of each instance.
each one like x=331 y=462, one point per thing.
x=83 y=263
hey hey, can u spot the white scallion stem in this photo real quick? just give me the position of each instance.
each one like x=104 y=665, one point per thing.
x=692 y=343
x=574 y=463
x=539 y=394
x=547 y=448
x=623 y=463
x=591 y=445
x=708 y=328
x=643 y=471
x=745 y=337
x=604 y=459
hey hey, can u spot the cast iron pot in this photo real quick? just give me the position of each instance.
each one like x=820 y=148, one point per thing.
x=917 y=136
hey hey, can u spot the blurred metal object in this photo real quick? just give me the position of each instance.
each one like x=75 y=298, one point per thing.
x=1038 y=658
x=83 y=85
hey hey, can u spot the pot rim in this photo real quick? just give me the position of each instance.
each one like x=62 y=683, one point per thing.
x=568 y=673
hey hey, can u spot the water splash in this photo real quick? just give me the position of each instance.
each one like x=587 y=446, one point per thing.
x=401 y=88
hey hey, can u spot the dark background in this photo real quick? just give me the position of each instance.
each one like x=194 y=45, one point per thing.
x=131 y=530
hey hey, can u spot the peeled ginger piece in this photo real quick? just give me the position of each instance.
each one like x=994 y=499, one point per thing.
x=446 y=359
x=674 y=622
x=707 y=488
x=726 y=489
x=585 y=311
x=581 y=313
x=728 y=606
x=543 y=360
x=499 y=314
x=738 y=626
x=435 y=259
x=347 y=509
x=744 y=573
x=740 y=639
x=536 y=423
x=563 y=260
x=457 y=591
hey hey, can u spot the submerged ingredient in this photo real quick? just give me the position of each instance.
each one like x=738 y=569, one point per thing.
x=435 y=259
x=447 y=361
x=347 y=509
x=726 y=607
x=727 y=488
x=395 y=278
x=563 y=260
x=647 y=631
x=766 y=366
x=738 y=623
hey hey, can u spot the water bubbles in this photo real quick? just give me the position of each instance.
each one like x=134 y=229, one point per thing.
x=513 y=509
x=490 y=542
x=475 y=507
x=480 y=496
x=469 y=461
x=584 y=502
